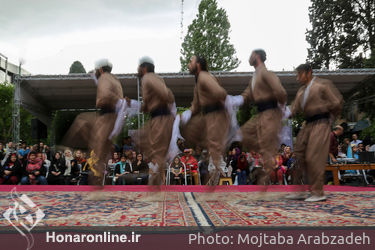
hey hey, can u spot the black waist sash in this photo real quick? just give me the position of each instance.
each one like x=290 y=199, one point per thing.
x=317 y=117
x=212 y=108
x=160 y=111
x=263 y=106
x=106 y=110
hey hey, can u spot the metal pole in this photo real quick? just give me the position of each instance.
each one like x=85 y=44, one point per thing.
x=16 y=110
x=6 y=68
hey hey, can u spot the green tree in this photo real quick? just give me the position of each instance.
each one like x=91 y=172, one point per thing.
x=77 y=67
x=6 y=108
x=6 y=95
x=342 y=33
x=208 y=36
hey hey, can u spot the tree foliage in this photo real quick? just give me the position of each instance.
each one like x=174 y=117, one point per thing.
x=77 y=67
x=6 y=109
x=208 y=36
x=342 y=33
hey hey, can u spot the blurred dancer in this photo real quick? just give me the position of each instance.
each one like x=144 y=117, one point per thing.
x=109 y=92
x=261 y=133
x=154 y=138
x=209 y=121
x=320 y=102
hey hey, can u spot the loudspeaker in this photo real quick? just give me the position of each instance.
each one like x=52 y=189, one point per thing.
x=38 y=129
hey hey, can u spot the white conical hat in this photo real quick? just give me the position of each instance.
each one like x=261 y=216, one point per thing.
x=102 y=63
x=146 y=59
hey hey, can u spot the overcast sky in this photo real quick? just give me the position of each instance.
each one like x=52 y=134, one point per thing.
x=48 y=35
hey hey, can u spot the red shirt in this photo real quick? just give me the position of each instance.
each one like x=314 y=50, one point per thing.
x=191 y=163
x=333 y=144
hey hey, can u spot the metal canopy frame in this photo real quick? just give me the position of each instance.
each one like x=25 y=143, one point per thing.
x=42 y=95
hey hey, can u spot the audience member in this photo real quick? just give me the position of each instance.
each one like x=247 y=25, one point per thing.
x=10 y=171
x=176 y=171
x=203 y=167
x=242 y=169
x=355 y=140
x=34 y=171
x=277 y=175
x=334 y=143
x=56 y=170
x=140 y=169
x=68 y=157
x=191 y=165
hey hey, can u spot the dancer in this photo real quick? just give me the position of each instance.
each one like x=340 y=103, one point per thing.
x=209 y=121
x=109 y=92
x=261 y=133
x=320 y=102
x=154 y=138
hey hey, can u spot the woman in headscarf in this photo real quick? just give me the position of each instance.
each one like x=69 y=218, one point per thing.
x=68 y=157
x=10 y=171
x=56 y=170
x=140 y=168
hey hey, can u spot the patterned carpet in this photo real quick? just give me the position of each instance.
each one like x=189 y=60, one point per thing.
x=118 y=208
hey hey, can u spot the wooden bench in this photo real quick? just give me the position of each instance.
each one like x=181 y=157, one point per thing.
x=335 y=168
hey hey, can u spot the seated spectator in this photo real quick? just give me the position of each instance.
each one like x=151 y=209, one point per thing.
x=361 y=147
x=47 y=151
x=355 y=150
x=34 y=171
x=46 y=162
x=10 y=171
x=287 y=153
x=242 y=169
x=197 y=152
x=122 y=169
x=291 y=172
x=354 y=154
x=24 y=151
x=68 y=157
x=334 y=143
x=133 y=156
x=355 y=140
x=256 y=168
x=341 y=153
x=231 y=162
x=115 y=158
x=140 y=170
x=191 y=165
x=127 y=144
x=21 y=159
x=41 y=147
x=176 y=171
x=2 y=152
x=203 y=167
x=77 y=164
x=56 y=170
x=181 y=146
x=345 y=146
x=10 y=149
x=277 y=176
